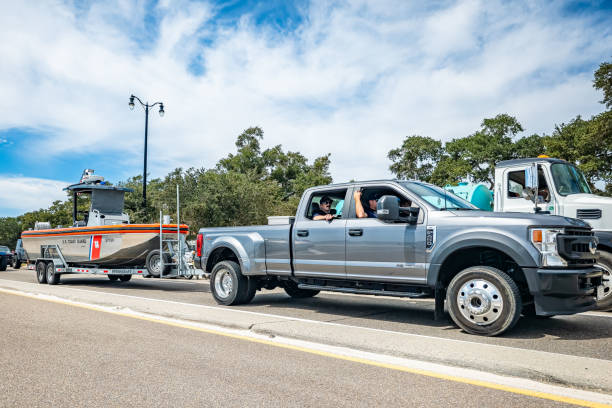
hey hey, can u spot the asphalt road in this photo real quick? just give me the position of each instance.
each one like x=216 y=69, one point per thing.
x=585 y=335
x=60 y=355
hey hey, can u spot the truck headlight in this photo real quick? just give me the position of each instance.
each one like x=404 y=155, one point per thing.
x=545 y=239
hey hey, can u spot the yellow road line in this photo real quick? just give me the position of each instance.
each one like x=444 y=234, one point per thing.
x=485 y=384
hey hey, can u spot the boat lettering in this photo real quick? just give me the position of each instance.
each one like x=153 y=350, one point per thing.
x=74 y=241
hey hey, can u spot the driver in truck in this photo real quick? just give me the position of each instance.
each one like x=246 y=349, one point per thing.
x=368 y=211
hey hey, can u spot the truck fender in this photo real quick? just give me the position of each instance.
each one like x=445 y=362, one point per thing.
x=501 y=242
x=248 y=247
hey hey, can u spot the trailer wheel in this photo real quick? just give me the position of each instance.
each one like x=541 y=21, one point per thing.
x=113 y=278
x=483 y=300
x=53 y=277
x=228 y=285
x=153 y=263
x=41 y=272
x=125 y=278
x=605 y=262
x=291 y=288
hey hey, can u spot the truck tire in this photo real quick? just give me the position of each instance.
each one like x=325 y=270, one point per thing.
x=228 y=285
x=41 y=272
x=153 y=263
x=113 y=278
x=292 y=290
x=53 y=277
x=483 y=300
x=605 y=262
x=16 y=264
x=125 y=278
x=3 y=263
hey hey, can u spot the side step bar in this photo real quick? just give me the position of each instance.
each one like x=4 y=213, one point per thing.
x=374 y=292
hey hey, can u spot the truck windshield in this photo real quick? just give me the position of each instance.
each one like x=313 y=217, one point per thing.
x=438 y=197
x=569 y=180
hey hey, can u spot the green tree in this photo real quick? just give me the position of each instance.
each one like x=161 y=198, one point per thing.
x=416 y=158
x=487 y=146
x=587 y=143
x=603 y=81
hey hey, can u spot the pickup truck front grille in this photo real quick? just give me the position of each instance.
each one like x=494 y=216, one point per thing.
x=588 y=214
x=575 y=247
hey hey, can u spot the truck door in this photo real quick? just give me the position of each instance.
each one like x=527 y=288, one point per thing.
x=381 y=251
x=319 y=245
x=513 y=186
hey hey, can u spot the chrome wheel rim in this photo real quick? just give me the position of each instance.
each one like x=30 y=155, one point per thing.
x=224 y=283
x=480 y=302
x=156 y=264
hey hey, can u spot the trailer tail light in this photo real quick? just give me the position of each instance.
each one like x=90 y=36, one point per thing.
x=199 y=242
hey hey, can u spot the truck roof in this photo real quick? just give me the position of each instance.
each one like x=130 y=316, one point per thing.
x=362 y=182
x=518 y=162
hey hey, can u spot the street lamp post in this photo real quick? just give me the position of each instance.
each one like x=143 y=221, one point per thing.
x=146 y=107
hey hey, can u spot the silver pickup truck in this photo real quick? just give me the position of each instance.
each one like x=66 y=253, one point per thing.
x=423 y=242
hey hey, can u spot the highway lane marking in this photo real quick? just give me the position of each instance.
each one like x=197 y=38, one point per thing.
x=299 y=319
x=460 y=375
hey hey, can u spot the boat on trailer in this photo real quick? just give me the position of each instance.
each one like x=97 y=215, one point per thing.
x=103 y=236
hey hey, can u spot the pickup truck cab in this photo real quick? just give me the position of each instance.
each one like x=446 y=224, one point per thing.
x=488 y=267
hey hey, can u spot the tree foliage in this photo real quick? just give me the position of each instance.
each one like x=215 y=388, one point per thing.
x=603 y=82
x=473 y=156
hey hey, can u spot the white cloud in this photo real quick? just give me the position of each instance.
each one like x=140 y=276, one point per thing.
x=353 y=79
x=21 y=194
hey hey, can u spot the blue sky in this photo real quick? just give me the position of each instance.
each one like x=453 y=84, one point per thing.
x=350 y=78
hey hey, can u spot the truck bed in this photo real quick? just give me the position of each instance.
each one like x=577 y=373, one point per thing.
x=267 y=248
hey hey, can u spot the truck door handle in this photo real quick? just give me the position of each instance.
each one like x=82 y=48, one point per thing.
x=302 y=233
x=356 y=232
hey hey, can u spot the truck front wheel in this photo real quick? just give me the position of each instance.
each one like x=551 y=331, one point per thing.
x=604 y=300
x=229 y=286
x=483 y=300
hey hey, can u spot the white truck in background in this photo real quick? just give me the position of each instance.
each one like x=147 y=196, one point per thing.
x=559 y=188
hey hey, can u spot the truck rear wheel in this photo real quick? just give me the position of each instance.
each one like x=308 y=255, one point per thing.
x=229 y=286
x=3 y=263
x=483 y=300
x=604 y=301
x=292 y=290
x=41 y=272
x=53 y=277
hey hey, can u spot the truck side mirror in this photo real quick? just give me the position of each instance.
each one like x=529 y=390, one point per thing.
x=387 y=208
x=413 y=217
x=531 y=178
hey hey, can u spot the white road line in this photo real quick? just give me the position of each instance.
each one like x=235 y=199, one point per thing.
x=298 y=319
x=451 y=373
